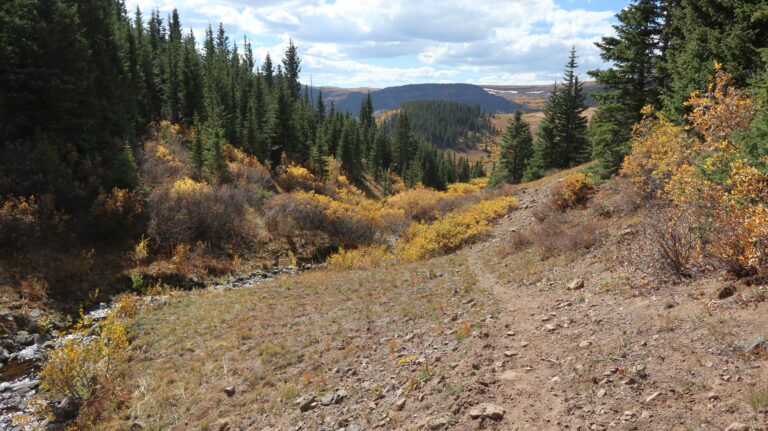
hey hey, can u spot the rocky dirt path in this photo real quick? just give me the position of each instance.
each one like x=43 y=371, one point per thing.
x=582 y=357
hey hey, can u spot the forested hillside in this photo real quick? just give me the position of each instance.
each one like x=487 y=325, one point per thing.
x=393 y=97
x=445 y=124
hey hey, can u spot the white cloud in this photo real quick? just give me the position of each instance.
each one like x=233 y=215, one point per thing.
x=347 y=41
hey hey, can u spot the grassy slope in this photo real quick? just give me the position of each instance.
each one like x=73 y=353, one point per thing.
x=323 y=331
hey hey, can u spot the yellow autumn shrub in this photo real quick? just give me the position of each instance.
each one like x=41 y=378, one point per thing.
x=298 y=178
x=463 y=188
x=419 y=203
x=81 y=357
x=360 y=258
x=706 y=175
x=659 y=148
x=423 y=240
x=571 y=191
x=19 y=219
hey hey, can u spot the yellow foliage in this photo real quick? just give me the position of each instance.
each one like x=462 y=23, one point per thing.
x=117 y=206
x=659 y=148
x=80 y=358
x=443 y=236
x=571 y=191
x=706 y=176
x=297 y=177
x=360 y=258
x=419 y=203
x=19 y=218
x=187 y=187
x=463 y=188
x=481 y=182
x=141 y=249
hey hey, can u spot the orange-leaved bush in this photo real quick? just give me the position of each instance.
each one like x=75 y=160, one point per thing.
x=707 y=175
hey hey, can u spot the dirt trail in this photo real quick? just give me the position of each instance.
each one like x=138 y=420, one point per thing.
x=597 y=359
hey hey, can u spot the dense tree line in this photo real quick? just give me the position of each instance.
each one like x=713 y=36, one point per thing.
x=444 y=123
x=82 y=80
x=664 y=50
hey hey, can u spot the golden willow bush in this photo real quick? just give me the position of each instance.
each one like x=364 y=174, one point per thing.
x=708 y=177
x=361 y=258
x=571 y=191
x=82 y=357
x=423 y=240
x=350 y=220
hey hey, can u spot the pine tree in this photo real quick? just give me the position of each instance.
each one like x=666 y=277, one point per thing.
x=401 y=143
x=292 y=68
x=571 y=124
x=198 y=150
x=561 y=141
x=634 y=80
x=515 y=152
x=126 y=171
x=731 y=32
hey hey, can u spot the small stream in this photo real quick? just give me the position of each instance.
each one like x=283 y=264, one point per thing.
x=19 y=374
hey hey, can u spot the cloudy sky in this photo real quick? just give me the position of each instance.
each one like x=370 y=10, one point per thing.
x=379 y=43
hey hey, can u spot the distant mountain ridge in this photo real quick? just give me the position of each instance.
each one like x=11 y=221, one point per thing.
x=494 y=99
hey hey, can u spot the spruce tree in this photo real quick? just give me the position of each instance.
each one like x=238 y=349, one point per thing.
x=126 y=171
x=570 y=123
x=292 y=68
x=401 y=143
x=515 y=152
x=634 y=80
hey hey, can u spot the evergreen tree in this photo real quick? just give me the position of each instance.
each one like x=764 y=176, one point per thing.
x=570 y=123
x=562 y=137
x=292 y=68
x=401 y=143
x=634 y=80
x=126 y=171
x=515 y=152
x=198 y=151
x=731 y=32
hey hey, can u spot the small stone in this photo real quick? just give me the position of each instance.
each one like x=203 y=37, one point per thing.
x=508 y=375
x=327 y=400
x=341 y=395
x=524 y=344
x=713 y=396
x=555 y=379
x=494 y=412
x=576 y=284
x=639 y=371
x=400 y=404
x=487 y=410
x=653 y=397
x=229 y=390
x=585 y=344
x=737 y=426
x=137 y=426
x=726 y=291
x=550 y=327
x=438 y=423
x=510 y=353
x=510 y=334
x=305 y=402
x=601 y=393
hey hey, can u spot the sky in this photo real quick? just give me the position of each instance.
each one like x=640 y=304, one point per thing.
x=382 y=43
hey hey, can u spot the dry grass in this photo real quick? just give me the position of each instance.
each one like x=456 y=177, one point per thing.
x=758 y=398
x=280 y=340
